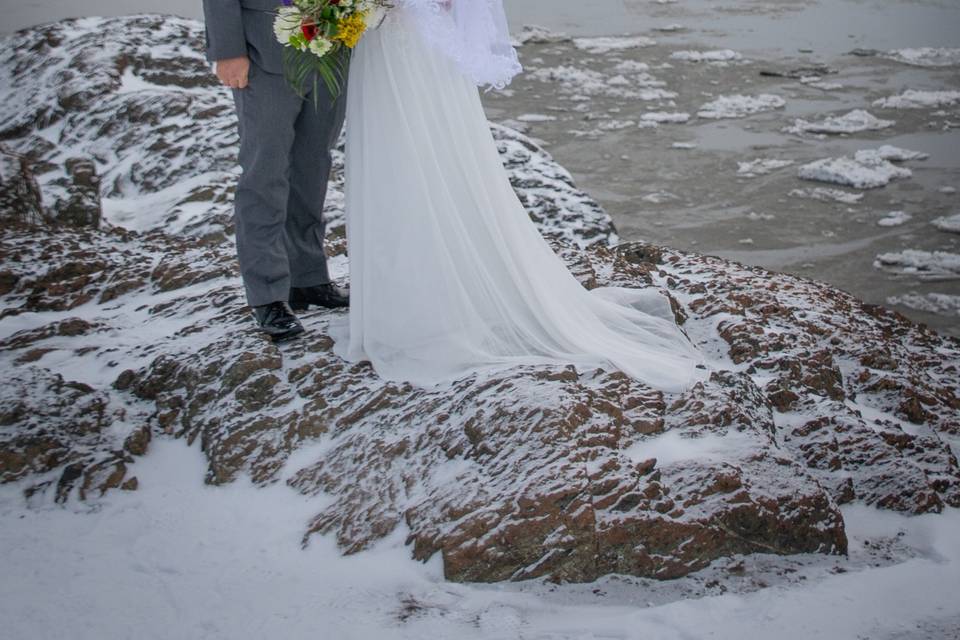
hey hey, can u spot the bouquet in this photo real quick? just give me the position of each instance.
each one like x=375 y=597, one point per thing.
x=315 y=34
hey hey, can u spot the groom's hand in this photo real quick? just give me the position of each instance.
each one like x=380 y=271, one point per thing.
x=233 y=71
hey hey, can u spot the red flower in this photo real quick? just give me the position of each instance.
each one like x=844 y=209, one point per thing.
x=309 y=30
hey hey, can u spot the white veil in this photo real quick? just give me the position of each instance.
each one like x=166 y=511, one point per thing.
x=472 y=33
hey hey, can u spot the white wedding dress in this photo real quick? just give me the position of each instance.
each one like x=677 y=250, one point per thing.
x=448 y=274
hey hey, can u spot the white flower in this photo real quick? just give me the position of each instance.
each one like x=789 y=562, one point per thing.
x=286 y=24
x=320 y=46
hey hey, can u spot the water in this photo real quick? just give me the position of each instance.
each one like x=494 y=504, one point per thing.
x=829 y=26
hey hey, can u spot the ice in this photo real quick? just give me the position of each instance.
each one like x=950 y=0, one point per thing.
x=851 y=173
x=579 y=83
x=853 y=122
x=868 y=169
x=606 y=44
x=662 y=117
x=950 y=224
x=761 y=167
x=926 y=56
x=823 y=194
x=739 y=106
x=534 y=34
x=889 y=152
x=894 y=219
x=616 y=125
x=943 y=303
x=535 y=117
x=926 y=264
x=913 y=99
x=719 y=55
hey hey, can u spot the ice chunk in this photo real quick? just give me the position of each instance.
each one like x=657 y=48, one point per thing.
x=853 y=122
x=739 y=106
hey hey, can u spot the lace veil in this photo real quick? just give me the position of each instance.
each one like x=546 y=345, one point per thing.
x=473 y=33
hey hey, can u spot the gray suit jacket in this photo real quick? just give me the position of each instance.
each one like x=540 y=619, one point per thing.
x=243 y=27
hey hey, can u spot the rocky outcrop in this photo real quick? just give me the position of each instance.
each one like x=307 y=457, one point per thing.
x=136 y=330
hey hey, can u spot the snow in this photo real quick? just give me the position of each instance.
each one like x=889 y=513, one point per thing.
x=913 y=99
x=672 y=447
x=739 y=106
x=950 y=224
x=179 y=559
x=926 y=264
x=894 y=219
x=854 y=122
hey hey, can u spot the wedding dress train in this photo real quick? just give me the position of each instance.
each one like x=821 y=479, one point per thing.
x=448 y=274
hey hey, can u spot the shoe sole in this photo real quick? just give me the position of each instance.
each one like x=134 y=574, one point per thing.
x=286 y=337
x=306 y=306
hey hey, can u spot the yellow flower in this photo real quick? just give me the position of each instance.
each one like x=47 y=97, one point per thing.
x=351 y=28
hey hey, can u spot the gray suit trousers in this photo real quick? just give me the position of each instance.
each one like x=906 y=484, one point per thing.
x=285 y=143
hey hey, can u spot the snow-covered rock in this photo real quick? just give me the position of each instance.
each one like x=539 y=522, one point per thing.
x=113 y=338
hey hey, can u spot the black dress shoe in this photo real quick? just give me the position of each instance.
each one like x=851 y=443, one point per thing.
x=323 y=295
x=277 y=321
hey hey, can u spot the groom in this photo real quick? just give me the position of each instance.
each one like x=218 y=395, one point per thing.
x=285 y=143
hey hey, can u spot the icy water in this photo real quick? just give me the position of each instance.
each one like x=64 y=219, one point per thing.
x=678 y=183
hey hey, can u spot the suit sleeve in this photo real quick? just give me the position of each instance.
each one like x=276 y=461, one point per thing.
x=224 y=23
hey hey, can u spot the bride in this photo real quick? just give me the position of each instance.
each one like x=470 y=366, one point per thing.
x=448 y=273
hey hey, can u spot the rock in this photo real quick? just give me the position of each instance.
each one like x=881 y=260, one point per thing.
x=536 y=471
x=58 y=435
x=21 y=200
x=80 y=207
